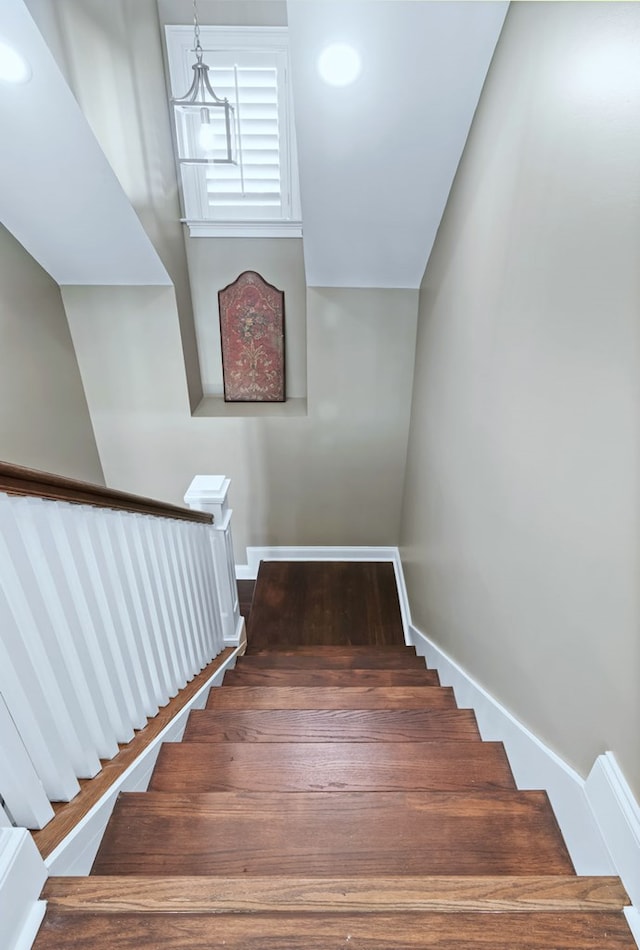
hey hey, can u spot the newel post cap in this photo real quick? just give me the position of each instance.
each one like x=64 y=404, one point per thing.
x=205 y=491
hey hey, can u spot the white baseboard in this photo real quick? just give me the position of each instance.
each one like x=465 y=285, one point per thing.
x=534 y=765
x=249 y=571
x=599 y=818
x=22 y=877
x=633 y=919
x=618 y=817
x=239 y=637
x=76 y=853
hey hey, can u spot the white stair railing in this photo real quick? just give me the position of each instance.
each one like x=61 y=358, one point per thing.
x=107 y=609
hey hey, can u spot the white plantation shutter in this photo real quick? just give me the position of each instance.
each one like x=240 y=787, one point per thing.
x=262 y=186
x=253 y=187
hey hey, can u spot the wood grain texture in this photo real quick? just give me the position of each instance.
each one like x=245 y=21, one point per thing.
x=324 y=602
x=335 y=658
x=447 y=895
x=330 y=725
x=16 y=480
x=245 y=597
x=68 y=814
x=325 y=697
x=547 y=931
x=331 y=767
x=244 y=676
x=317 y=834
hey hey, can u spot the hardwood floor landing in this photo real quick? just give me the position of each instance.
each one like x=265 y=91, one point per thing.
x=298 y=603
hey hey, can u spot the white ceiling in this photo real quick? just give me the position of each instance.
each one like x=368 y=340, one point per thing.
x=59 y=196
x=377 y=158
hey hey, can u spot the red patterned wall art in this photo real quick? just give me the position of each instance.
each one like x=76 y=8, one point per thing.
x=252 y=336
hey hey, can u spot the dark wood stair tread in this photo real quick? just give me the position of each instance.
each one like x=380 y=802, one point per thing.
x=327 y=697
x=330 y=725
x=532 y=931
x=340 y=766
x=215 y=895
x=244 y=676
x=338 y=658
x=320 y=834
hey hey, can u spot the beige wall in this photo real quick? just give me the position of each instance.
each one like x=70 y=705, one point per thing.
x=333 y=476
x=44 y=421
x=520 y=520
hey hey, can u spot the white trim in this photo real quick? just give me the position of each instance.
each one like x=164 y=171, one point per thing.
x=76 y=852
x=633 y=919
x=249 y=571
x=22 y=877
x=618 y=816
x=534 y=765
x=257 y=229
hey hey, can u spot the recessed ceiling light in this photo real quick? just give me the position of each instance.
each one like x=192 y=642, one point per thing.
x=13 y=67
x=339 y=64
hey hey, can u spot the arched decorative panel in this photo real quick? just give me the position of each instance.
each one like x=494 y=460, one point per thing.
x=252 y=336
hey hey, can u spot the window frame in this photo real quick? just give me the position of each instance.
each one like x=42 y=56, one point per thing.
x=179 y=49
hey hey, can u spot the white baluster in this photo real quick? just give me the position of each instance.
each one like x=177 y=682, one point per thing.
x=184 y=579
x=45 y=558
x=175 y=599
x=33 y=597
x=216 y=637
x=81 y=571
x=210 y=493
x=109 y=563
x=20 y=787
x=58 y=544
x=154 y=542
x=34 y=702
x=151 y=601
x=191 y=548
x=132 y=590
x=101 y=616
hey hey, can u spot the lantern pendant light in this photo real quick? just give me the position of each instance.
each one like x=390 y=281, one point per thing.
x=205 y=123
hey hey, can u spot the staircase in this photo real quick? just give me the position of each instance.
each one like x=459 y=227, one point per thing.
x=332 y=795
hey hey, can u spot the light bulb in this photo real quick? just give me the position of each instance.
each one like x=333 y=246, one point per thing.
x=206 y=134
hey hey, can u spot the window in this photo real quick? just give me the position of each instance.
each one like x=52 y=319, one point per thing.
x=259 y=195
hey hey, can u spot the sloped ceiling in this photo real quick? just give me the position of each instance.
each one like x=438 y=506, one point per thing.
x=377 y=158
x=59 y=196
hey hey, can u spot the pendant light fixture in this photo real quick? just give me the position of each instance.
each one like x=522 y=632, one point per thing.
x=205 y=123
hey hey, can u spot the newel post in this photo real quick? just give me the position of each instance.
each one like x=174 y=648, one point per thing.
x=210 y=493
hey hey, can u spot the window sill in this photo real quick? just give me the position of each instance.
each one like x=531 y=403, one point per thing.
x=259 y=229
x=216 y=407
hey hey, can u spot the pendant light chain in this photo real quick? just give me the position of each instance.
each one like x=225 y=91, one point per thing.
x=196 y=32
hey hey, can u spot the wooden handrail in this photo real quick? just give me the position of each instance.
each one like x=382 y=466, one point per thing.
x=15 y=480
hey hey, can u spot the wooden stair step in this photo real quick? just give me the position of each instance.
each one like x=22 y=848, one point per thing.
x=216 y=895
x=326 y=697
x=244 y=676
x=344 y=833
x=322 y=649
x=330 y=725
x=341 y=766
x=338 y=658
x=411 y=931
